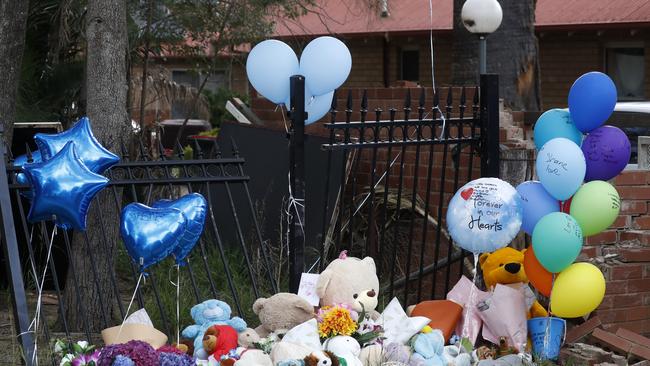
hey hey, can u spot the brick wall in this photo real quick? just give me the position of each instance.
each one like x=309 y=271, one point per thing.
x=627 y=300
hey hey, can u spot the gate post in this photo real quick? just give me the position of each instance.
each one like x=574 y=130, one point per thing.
x=12 y=258
x=489 y=125
x=298 y=116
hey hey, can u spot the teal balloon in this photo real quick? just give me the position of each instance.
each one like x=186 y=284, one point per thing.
x=557 y=241
x=555 y=123
x=269 y=66
x=561 y=168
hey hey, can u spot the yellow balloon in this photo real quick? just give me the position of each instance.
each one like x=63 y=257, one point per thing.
x=577 y=291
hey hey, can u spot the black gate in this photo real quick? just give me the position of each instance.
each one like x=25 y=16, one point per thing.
x=402 y=167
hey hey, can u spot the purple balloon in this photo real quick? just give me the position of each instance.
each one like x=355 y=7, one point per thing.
x=607 y=152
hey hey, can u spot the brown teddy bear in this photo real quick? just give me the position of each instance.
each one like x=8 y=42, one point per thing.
x=281 y=312
x=219 y=340
x=506 y=266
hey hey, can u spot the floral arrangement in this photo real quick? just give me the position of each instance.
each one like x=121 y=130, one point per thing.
x=340 y=319
x=133 y=353
x=75 y=354
x=336 y=320
x=140 y=353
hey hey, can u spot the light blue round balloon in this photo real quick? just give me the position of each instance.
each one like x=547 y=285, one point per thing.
x=592 y=99
x=536 y=203
x=326 y=63
x=315 y=106
x=484 y=215
x=556 y=123
x=269 y=66
x=557 y=241
x=561 y=167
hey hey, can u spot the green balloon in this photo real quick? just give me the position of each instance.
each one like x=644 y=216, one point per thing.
x=595 y=206
x=557 y=241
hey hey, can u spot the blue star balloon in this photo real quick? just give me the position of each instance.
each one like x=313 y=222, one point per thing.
x=63 y=187
x=90 y=151
x=193 y=206
x=21 y=178
x=151 y=234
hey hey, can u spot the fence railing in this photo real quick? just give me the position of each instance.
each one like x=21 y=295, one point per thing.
x=237 y=271
x=402 y=166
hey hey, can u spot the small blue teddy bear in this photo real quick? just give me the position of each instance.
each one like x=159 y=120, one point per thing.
x=429 y=347
x=206 y=314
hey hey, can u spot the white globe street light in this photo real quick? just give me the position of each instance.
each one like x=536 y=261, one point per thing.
x=481 y=17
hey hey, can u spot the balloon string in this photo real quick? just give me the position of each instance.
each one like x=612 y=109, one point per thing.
x=137 y=285
x=33 y=326
x=178 y=304
x=178 y=311
x=472 y=297
x=433 y=79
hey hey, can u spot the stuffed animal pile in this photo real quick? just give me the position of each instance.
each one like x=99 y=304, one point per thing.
x=345 y=329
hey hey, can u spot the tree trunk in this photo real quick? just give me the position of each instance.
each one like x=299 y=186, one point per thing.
x=512 y=52
x=106 y=96
x=13 y=20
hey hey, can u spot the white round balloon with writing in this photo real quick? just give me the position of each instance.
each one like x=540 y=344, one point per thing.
x=484 y=215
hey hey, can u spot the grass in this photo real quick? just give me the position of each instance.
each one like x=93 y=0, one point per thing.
x=164 y=275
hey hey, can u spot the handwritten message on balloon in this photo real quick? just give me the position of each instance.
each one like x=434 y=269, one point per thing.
x=561 y=167
x=484 y=215
x=607 y=151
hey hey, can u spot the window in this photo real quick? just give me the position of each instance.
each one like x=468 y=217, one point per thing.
x=625 y=64
x=180 y=108
x=410 y=65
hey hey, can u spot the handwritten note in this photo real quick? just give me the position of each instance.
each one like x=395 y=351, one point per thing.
x=307 y=288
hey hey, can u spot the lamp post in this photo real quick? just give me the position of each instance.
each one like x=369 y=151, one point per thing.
x=481 y=17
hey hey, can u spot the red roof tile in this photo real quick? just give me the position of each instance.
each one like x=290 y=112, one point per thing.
x=355 y=17
x=591 y=12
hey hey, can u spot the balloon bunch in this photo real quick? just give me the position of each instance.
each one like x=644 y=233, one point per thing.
x=325 y=63
x=168 y=227
x=65 y=175
x=573 y=199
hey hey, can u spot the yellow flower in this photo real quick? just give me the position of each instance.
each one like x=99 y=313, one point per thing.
x=335 y=321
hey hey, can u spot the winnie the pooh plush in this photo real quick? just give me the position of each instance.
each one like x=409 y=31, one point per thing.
x=506 y=266
x=351 y=281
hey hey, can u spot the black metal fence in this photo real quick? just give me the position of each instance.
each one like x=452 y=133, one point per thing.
x=217 y=268
x=402 y=167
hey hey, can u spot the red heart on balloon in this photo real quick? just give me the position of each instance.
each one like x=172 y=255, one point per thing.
x=466 y=194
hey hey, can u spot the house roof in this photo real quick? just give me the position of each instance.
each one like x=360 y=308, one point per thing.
x=355 y=17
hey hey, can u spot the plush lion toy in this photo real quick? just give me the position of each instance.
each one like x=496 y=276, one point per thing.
x=506 y=266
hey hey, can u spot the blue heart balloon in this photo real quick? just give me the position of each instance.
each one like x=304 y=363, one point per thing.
x=90 y=151
x=194 y=207
x=21 y=178
x=151 y=234
x=63 y=187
